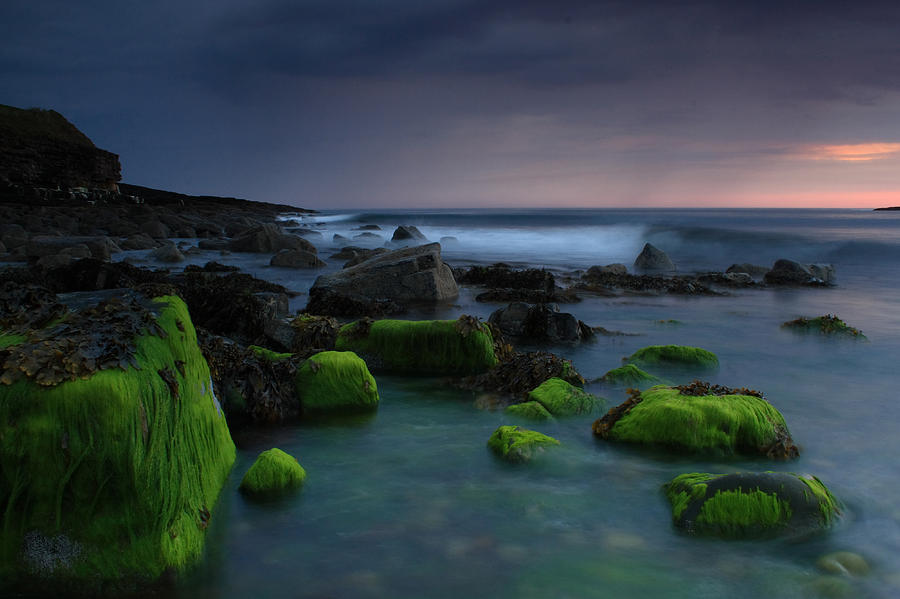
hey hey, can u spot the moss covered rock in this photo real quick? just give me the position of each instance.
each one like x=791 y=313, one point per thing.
x=336 y=381
x=463 y=346
x=714 y=420
x=274 y=471
x=674 y=356
x=750 y=503
x=113 y=447
x=517 y=444
x=562 y=399
x=825 y=325
x=629 y=375
x=530 y=410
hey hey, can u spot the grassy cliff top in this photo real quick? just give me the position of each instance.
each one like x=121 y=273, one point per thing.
x=37 y=122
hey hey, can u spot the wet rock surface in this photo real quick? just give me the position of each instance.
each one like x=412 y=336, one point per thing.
x=540 y=323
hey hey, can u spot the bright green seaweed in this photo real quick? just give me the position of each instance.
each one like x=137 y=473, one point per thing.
x=674 y=356
x=517 y=444
x=420 y=347
x=122 y=468
x=273 y=471
x=530 y=410
x=708 y=423
x=562 y=399
x=629 y=375
x=336 y=381
x=264 y=353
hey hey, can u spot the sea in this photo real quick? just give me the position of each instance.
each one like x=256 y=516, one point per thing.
x=410 y=503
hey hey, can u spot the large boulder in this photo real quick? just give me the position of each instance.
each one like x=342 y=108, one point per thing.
x=542 y=323
x=652 y=258
x=409 y=275
x=296 y=259
x=700 y=418
x=112 y=445
x=406 y=233
x=463 y=346
x=268 y=238
x=789 y=272
x=751 y=504
x=336 y=381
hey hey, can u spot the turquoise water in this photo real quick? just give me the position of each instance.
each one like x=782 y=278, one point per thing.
x=409 y=502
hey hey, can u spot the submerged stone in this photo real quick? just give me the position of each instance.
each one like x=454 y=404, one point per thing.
x=113 y=451
x=463 y=346
x=336 y=381
x=562 y=399
x=531 y=410
x=273 y=471
x=517 y=444
x=674 y=356
x=700 y=418
x=750 y=504
x=828 y=324
x=629 y=375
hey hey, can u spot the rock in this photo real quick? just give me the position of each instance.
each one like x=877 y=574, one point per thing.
x=828 y=324
x=652 y=258
x=788 y=272
x=449 y=241
x=501 y=276
x=516 y=444
x=266 y=239
x=562 y=399
x=296 y=259
x=700 y=418
x=338 y=238
x=372 y=237
x=76 y=251
x=539 y=323
x=349 y=251
x=751 y=504
x=155 y=229
x=2 y=248
x=367 y=228
x=518 y=373
x=14 y=239
x=679 y=356
x=463 y=346
x=102 y=248
x=336 y=381
x=757 y=272
x=306 y=232
x=738 y=278
x=273 y=472
x=408 y=232
x=408 y=275
x=612 y=269
x=363 y=255
x=139 y=241
x=629 y=376
x=168 y=253
x=530 y=410
x=844 y=563
x=120 y=436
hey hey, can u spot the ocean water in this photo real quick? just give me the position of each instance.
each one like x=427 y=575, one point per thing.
x=410 y=503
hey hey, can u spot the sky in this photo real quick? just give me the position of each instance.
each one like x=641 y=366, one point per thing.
x=476 y=103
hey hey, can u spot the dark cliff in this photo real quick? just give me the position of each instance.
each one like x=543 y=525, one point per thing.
x=41 y=148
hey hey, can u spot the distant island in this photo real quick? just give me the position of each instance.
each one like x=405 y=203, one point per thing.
x=888 y=208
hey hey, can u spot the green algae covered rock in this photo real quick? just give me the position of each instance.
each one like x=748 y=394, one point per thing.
x=676 y=356
x=273 y=471
x=629 y=375
x=825 y=325
x=264 y=353
x=517 y=444
x=750 y=504
x=700 y=418
x=463 y=346
x=530 y=410
x=333 y=381
x=113 y=446
x=562 y=399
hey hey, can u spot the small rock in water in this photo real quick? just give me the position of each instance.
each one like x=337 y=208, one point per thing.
x=845 y=563
x=168 y=253
x=653 y=258
x=404 y=232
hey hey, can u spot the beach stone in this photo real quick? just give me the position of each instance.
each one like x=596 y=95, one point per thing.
x=613 y=269
x=845 y=563
x=368 y=237
x=407 y=232
x=516 y=444
x=751 y=504
x=338 y=238
x=409 y=275
x=824 y=272
x=155 y=229
x=138 y=241
x=541 y=322
x=269 y=238
x=653 y=258
x=296 y=259
x=168 y=253
x=789 y=272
